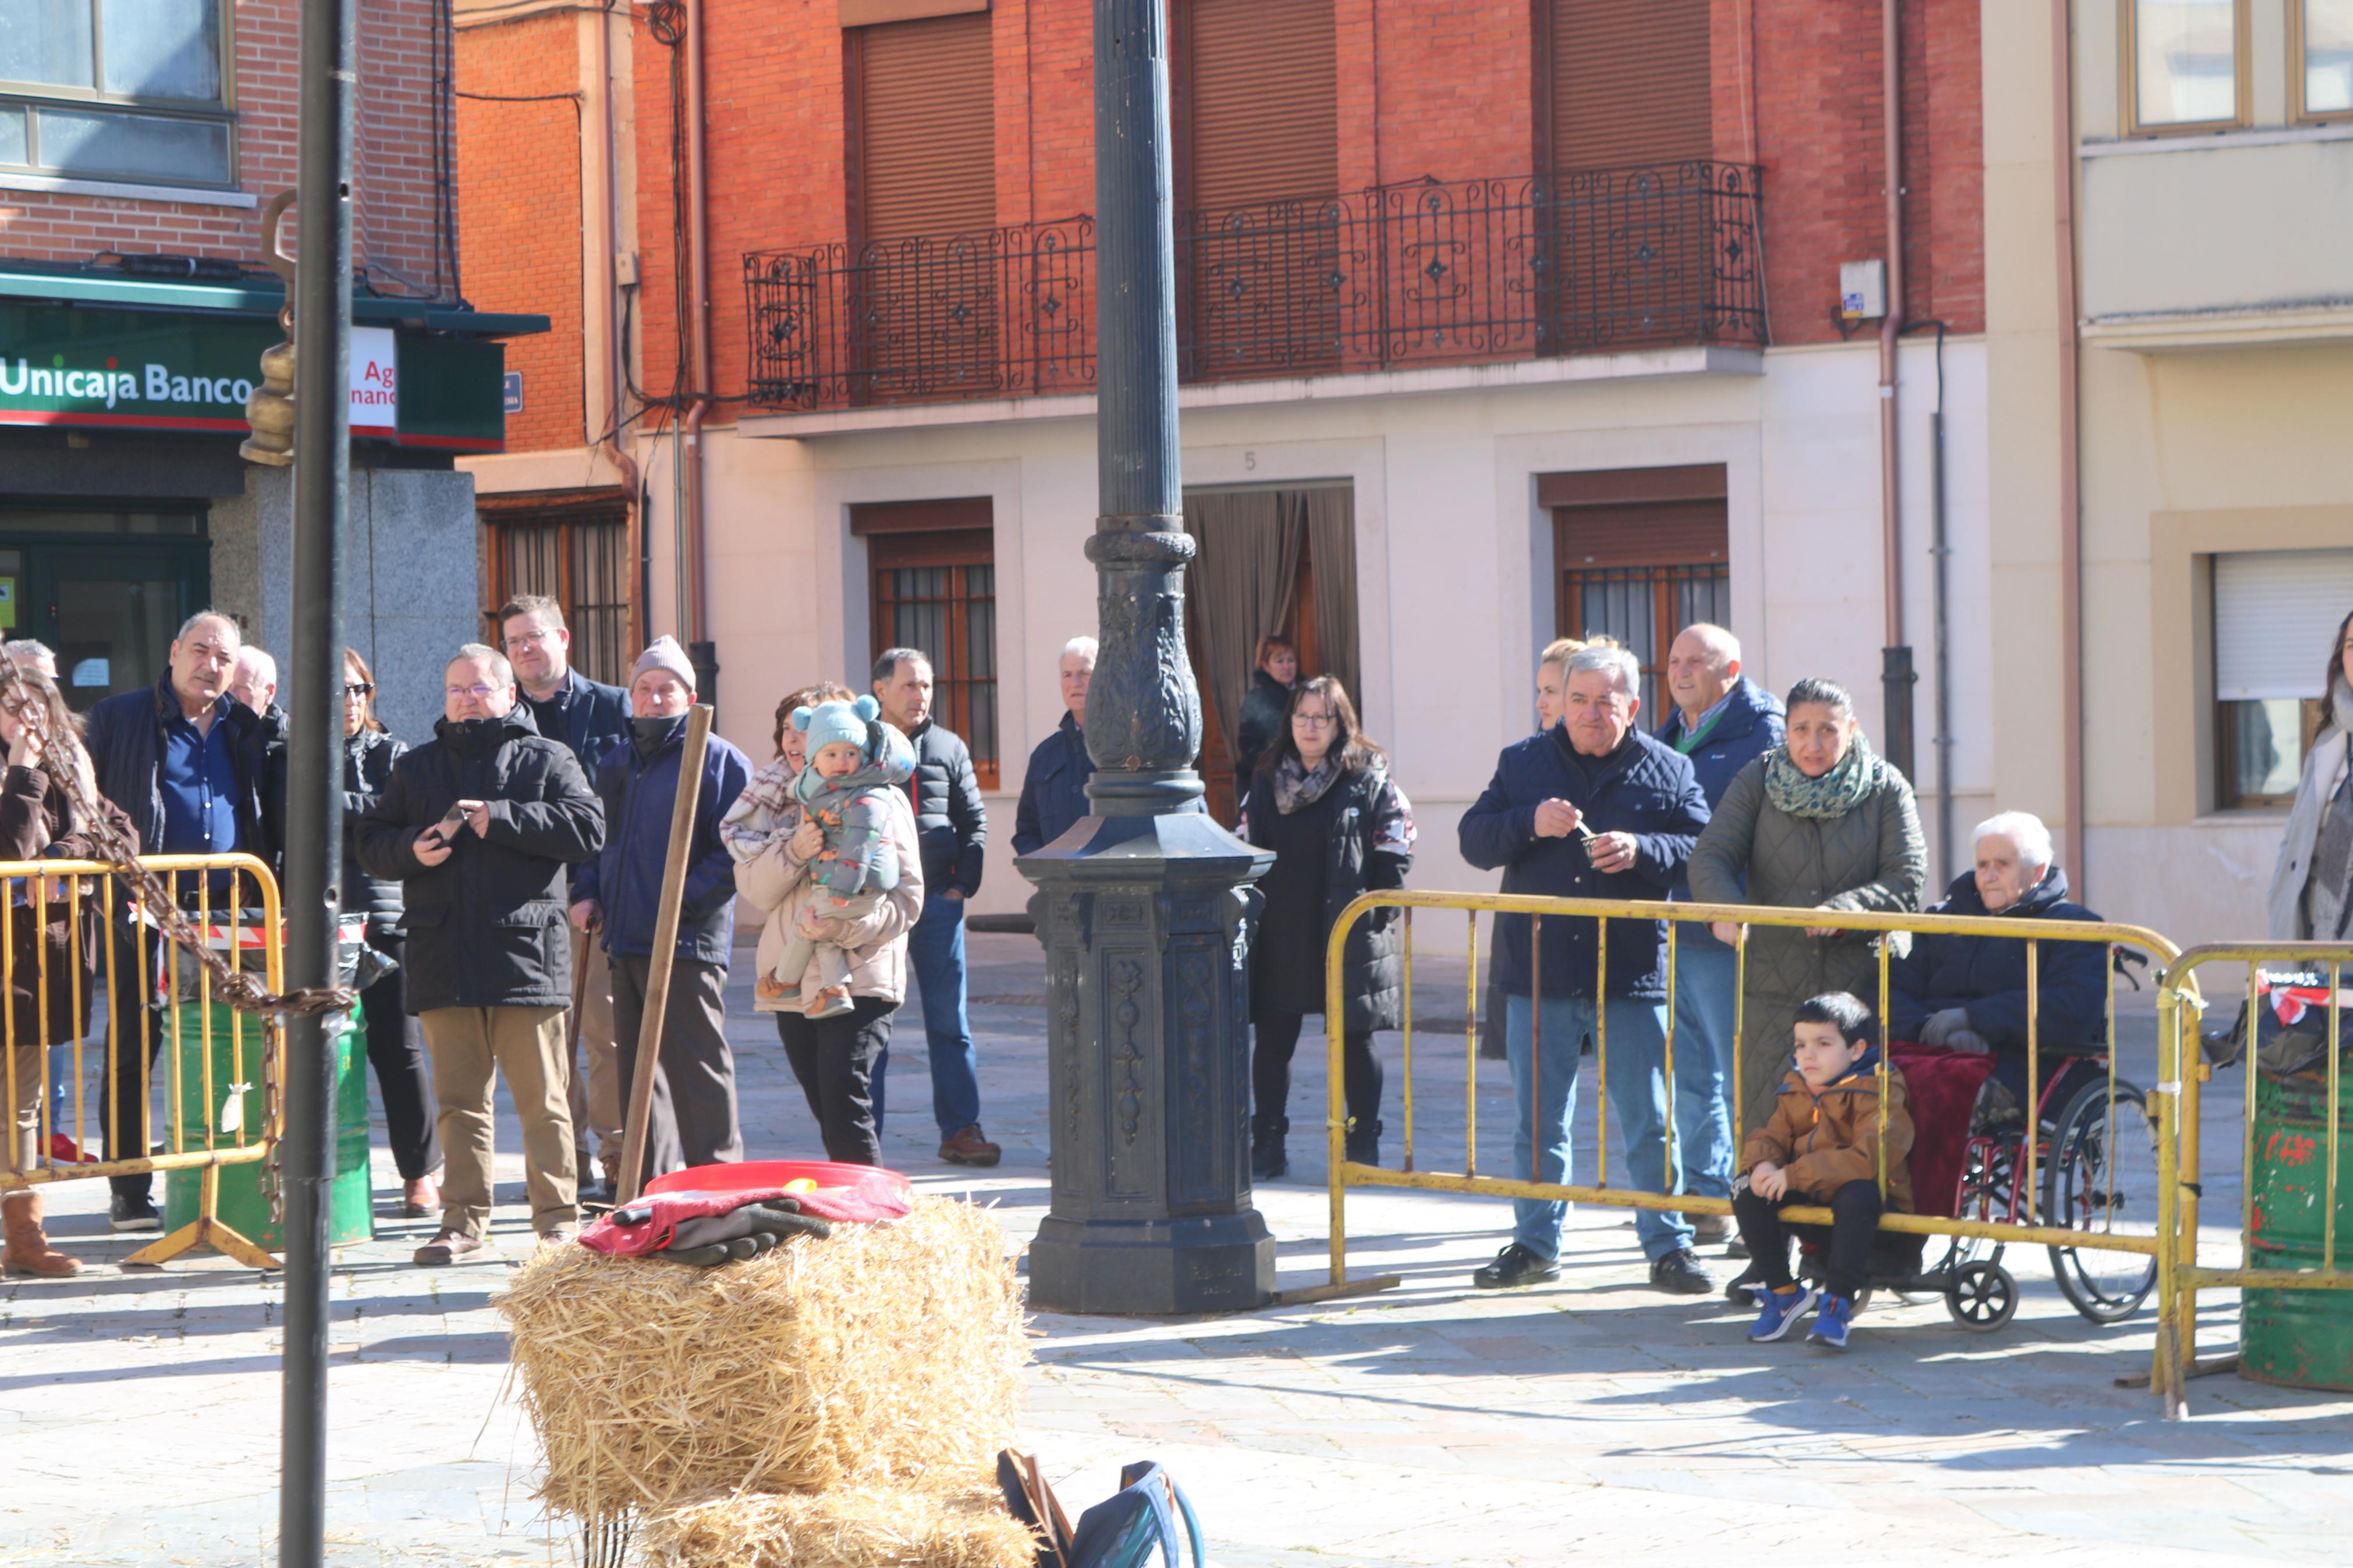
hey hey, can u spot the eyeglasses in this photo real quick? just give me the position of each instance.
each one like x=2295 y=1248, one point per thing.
x=362 y=689
x=527 y=639
x=477 y=692
x=1318 y=719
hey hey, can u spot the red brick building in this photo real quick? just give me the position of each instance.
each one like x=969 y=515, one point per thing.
x=1512 y=316
x=138 y=152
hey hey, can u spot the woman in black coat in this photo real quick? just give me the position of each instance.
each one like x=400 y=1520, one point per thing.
x=1273 y=680
x=395 y=1048
x=1323 y=801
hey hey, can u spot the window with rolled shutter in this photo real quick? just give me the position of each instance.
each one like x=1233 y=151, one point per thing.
x=924 y=289
x=2276 y=617
x=1259 y=156
x=1629 y=83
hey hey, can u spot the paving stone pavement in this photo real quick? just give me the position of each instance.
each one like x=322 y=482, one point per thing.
x=1594 y=1420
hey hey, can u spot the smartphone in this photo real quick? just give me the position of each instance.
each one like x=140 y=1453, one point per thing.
x=453 y=824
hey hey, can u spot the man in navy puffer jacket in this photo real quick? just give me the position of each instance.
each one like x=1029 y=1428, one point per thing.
x=1592 y=808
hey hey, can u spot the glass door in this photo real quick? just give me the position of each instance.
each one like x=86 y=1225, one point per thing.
x=110 y=613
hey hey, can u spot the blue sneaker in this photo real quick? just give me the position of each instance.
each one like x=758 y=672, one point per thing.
x=1831 y=1322
x=1777 y=1312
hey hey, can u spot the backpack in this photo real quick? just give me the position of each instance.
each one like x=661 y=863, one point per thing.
x=1120 y=1532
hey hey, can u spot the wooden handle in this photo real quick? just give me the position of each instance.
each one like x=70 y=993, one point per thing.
x=665 y=954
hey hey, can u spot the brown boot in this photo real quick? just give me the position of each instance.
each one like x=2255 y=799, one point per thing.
x=28 y=1249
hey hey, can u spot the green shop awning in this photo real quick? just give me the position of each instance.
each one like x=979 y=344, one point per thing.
x=94 y=348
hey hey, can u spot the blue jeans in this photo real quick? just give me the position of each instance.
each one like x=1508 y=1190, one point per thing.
x=935 y=952
x=1637 y=1090
x=1706 y=974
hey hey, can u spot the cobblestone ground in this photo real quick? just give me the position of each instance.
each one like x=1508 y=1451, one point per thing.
x=1594 y=1420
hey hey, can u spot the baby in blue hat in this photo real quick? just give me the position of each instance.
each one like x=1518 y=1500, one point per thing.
x=854 y=763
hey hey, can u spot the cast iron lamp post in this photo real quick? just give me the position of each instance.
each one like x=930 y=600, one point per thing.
x=1145 y=906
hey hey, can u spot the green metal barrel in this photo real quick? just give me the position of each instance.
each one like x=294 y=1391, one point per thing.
x=2300 y=1337
x=236 y=1045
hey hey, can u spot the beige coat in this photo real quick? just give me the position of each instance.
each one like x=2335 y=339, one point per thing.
x=773 y=881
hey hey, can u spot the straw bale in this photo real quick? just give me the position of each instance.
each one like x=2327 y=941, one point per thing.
x=889 y=1355
x=850 y=1526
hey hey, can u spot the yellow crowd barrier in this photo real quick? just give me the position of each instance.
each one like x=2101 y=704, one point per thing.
x=2188 y=1274
x=111 y=942
x=2158 y=1243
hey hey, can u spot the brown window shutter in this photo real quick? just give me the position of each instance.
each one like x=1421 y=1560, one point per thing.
x=1629 y=83
x=926 y=128
x=1262 y=107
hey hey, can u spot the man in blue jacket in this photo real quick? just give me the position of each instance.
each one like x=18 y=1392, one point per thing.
x=1054 y=788
x=693 y=1120
x=1591 y=808
x=1721 y=720
x=591 y=718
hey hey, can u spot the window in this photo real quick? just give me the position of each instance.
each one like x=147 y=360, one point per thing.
x=2185 y=64
x=2320 y=72
x=1640 y=555
x=576 y=550
x=117 y=89
x=933 y=571
x=2275 y=615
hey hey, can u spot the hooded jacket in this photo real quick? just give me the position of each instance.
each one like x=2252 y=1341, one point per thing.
x=854 y=814
x=1828 y=1137
x=124 y=736
x=875 y=944
x=1367 y=829
x=1054 y=789
x=639 y=793
x=949 y=816
x=486 y=927
x=1987 y=975
x=1643 y=788
x=37 y=822
x=1750 y=724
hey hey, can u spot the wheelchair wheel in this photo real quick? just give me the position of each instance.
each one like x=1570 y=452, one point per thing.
x=1983 y=1297
x=1983 y=1189
x=2102 y=1178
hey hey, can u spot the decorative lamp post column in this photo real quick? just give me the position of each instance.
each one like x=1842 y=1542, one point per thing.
x=1145 y=906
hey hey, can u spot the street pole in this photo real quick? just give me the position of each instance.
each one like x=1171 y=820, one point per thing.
x=314 y=820
x=1145 y=906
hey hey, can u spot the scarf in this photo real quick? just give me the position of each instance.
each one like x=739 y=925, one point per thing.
x=1835 y=793
x=1294 y=786
x=650 y=734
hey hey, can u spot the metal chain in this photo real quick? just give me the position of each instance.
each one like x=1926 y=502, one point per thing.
x=241 y=989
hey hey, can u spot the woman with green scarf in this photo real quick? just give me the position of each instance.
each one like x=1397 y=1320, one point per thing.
x=1819 y=822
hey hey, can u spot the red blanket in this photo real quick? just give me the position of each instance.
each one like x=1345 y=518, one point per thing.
x=1941 y=1087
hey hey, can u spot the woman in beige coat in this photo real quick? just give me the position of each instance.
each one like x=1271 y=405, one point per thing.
x=1819 y=822
x=838 y=1058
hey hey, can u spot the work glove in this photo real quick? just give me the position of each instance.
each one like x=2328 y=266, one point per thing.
x=1939 y=1028
x=709 y=1240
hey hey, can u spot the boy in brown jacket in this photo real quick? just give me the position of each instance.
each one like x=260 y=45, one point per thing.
x=1822 y=1146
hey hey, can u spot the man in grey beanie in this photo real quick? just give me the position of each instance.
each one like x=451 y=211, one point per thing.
x=693 y=1120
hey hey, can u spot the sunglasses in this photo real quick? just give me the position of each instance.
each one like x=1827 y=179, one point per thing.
x=359 y=689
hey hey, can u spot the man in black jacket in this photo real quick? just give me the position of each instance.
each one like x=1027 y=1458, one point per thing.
x=479 y=824
x=591 y=718
x=1054 y=788
x=952 y=828
x=189 y=767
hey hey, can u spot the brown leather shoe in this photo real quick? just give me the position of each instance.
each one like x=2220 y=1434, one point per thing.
x=419 y=1198
x=968 y=1147
x=447 y=1247
x=557 y=1236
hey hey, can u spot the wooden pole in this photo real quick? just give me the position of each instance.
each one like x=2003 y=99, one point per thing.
x=665 y=955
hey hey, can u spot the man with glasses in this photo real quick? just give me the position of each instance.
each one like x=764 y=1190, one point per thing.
x=190 y=767
x=591 y=718
x=479 y=824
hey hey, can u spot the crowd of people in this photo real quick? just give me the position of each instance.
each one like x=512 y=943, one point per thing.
x=512 y=867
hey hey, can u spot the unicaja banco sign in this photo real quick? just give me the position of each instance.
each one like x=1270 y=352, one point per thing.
x=129 y=370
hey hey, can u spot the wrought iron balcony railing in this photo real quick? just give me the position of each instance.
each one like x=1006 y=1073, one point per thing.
x=1423 y=274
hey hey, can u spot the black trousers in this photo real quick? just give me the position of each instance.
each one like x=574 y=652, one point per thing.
x=1277 y=1039
x=834 y=1060
x=1851 y=1234
x=693 y=1120
x=395 y=1049
x=126 y=1093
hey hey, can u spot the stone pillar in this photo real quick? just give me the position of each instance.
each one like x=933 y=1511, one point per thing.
x=1145 y=906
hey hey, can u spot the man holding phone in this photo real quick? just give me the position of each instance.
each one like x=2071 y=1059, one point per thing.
x=479 y=824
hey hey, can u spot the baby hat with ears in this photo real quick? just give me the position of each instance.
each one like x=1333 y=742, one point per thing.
x=830 y=723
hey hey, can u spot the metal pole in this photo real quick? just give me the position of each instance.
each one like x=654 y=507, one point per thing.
x=323 y=309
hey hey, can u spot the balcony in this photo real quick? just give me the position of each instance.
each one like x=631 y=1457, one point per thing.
x=1431 y=273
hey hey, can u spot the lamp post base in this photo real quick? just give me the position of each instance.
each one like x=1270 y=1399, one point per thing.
x=1223 y=1263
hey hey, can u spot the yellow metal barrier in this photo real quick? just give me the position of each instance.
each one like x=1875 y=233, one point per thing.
x=34 y=894
x=2158 y=1246
x=2189 y=1276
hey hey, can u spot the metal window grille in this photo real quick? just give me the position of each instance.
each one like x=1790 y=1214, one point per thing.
x=583 y=563
x=1644 y=607
x=949 y=611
